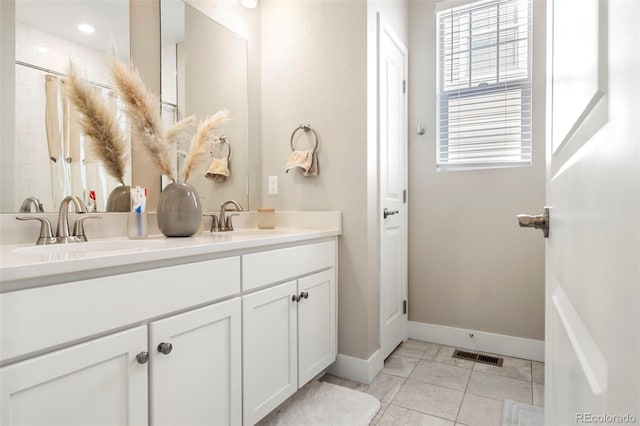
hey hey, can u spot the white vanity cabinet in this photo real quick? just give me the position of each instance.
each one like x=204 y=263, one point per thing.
x=289 y=329
x=99 y=383
x=195 y=367
x=218 y=339
x=189 y=371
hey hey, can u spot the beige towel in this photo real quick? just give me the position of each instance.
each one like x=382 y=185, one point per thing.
x=218 y=170
x=307 y=161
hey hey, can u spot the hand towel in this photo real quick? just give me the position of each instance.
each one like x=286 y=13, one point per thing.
x=218 y=170
x=306 y=160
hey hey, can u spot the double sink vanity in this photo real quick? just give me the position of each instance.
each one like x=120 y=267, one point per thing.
x=219 y=328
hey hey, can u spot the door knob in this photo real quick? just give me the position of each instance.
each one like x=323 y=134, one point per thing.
x=540 y=221
x=388 y=212
x=165 y=348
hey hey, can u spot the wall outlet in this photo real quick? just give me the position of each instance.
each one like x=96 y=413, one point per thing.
x=273 y=185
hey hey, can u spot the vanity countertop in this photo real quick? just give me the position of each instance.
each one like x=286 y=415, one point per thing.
x=22 y=262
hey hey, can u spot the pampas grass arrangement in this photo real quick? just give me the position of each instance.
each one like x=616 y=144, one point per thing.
x=98 y=122
x=175 y=131
x=207 y=130
x=143 y=109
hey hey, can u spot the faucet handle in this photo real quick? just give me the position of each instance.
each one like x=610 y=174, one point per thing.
x=78 y=227
x=46 y=232
x=214 y=222
x=229 y=224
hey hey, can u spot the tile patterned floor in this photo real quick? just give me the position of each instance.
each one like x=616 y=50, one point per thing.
x=422 y=385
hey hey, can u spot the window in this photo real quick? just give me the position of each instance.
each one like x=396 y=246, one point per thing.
x=484 y=85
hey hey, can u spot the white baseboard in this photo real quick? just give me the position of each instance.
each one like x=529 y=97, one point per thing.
x=481 y=341
x=359 y=370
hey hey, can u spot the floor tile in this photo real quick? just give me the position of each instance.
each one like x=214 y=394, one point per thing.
x=344 y=382
x=399 y=365
x=395 y=416
x=379 y=414
x=429 y=399
x=335 y=380
x=449 y=376
x=499 y=387
x=515 y=368
x=415 y=348
x=444 y=356
x=538 y=395
x=480 y=411
x=361 y=387
x=537 y=372
x=385 y=386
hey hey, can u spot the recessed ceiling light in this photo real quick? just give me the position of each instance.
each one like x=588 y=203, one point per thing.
x=86 y=28
x=249 y=4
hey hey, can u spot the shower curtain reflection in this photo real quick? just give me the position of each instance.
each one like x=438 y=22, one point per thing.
x=74 y=168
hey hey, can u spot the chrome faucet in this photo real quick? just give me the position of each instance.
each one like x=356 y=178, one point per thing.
x=224 y=223
x=62 y=231
x=31 y=201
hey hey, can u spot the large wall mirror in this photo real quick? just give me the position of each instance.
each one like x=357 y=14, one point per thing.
x=52 y=157
x=204 y=69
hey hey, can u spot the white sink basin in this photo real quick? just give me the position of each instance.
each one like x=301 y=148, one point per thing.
x=88 y=246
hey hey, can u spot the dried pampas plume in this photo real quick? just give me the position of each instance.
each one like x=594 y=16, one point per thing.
x=143 y=109
x=206 y=131
x=174 y=132
x=99 y=124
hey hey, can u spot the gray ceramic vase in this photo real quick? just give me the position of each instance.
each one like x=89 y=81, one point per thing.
x=120 y=199
x=179 y=210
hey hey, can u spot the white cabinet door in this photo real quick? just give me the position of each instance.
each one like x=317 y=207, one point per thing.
x=270 y=355
x=199 y=381
x=316 y=324
x=95 y=383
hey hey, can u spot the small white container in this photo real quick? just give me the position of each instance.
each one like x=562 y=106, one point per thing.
x=266 y=218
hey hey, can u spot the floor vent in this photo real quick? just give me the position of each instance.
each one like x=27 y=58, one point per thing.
x=472 y=356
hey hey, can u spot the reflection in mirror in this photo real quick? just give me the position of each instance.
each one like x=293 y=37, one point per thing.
x=53 y=158
x=204 y=70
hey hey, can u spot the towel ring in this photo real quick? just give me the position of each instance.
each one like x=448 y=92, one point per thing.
x=307 y=128
x=223 y=139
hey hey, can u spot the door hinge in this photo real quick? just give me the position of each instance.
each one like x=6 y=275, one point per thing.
x=404 y=86
x=404 y=307
x=404 y=196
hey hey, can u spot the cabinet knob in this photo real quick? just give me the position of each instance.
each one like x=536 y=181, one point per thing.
x=295 y=298
x=165 y=348
x=304 y=294
x=142 y=357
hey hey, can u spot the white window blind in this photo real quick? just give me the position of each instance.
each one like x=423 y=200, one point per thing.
x=484 y=85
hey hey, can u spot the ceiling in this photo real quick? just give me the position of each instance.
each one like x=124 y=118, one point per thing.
x=110 y=18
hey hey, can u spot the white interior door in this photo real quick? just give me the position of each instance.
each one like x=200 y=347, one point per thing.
x=592 y=284
x=392 y=98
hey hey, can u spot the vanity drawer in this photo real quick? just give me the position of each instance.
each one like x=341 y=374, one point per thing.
x=271 y=266
x=41 y=318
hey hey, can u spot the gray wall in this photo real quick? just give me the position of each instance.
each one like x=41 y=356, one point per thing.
x=316 y=69
x=470 y=266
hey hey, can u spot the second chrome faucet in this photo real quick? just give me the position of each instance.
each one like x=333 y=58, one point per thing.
x=222 y=223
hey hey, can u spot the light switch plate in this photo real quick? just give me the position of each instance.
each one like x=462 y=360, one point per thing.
x=273 y=185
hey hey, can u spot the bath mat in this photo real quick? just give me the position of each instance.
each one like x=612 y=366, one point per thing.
x=321 y=403
x=520 y=414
